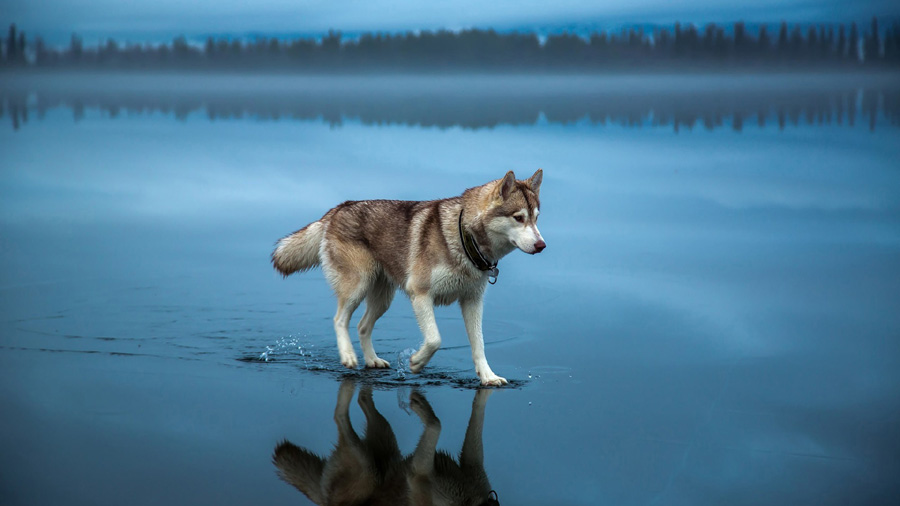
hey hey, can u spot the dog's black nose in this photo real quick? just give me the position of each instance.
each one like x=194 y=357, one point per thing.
x=539 y=246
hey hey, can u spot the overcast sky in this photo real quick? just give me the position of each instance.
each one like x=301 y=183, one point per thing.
x=194 y=17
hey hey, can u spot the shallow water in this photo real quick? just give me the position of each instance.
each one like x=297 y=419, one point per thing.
x=713 y=322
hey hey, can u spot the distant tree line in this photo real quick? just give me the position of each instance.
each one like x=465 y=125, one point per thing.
x=476 y=49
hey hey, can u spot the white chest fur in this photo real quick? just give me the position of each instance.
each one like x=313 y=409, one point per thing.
x=449 y=285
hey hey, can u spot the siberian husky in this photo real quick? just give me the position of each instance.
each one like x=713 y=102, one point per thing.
x=437 y=252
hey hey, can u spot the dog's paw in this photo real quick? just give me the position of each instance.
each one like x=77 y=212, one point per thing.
x=417 y=362
x=349 y=360
x=377 y=363
x=365 y=398
x=420 y=407
x=492 y=380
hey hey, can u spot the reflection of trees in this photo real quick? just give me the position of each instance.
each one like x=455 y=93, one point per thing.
x=449 y=106
x=15 y=104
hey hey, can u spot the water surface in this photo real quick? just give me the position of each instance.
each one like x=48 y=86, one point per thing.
x=713 y=321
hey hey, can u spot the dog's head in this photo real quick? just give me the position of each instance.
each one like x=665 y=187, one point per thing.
x=515 y=209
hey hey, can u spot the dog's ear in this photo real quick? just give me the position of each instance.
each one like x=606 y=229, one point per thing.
x=535 y=181
x=506 y=185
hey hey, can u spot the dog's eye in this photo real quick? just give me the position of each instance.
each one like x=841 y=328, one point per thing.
x=519 y=218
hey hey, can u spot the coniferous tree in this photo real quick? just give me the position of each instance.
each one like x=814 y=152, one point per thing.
x=109 y=53
x=709 y=39
x=236 y=49
x=783 y=44
x=720 y=44
x=873 y=43
x=20 y=49
x=763 y=44
x=41 y=56
x=180 y=48
x=692 y=40
x=812 y=44
x=274 y=48
x=829 y=43
x=679 y=40
x=892 y=44
x=599 y=44
x=332 y=42
x=740 y=39
x=209 y=48
x=823 y=43
x=796 y=43
x=76 y=48
x=11 y=51
x=842 y=50
x=663 y=45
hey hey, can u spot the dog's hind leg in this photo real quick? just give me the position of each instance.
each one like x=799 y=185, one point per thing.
x=348 y=476
x=346 y=434
x=380 y=441
x=345 y=309
x=351 y=271
x=377 y=302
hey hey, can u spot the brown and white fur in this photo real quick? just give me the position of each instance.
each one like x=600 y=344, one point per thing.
x=371 y=470
x=369 y=248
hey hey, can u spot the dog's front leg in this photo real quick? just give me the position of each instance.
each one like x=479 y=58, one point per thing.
x=472 y=309
x=423 y=456
x=471 y=458
x=423 y=307
x=421 y=464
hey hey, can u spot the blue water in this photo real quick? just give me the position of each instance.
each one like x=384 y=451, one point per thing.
x=713 y=321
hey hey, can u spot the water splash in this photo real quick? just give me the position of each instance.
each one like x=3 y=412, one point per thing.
x=298 y=351
x=403 y=362
x=289 y=347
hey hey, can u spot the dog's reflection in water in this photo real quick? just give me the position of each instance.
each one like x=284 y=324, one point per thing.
x=372 y=471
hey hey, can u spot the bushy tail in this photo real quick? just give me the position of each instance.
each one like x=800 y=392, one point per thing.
x=300 y=250
x=300 y=468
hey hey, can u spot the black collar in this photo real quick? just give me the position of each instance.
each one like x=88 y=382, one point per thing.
x=475 y=254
